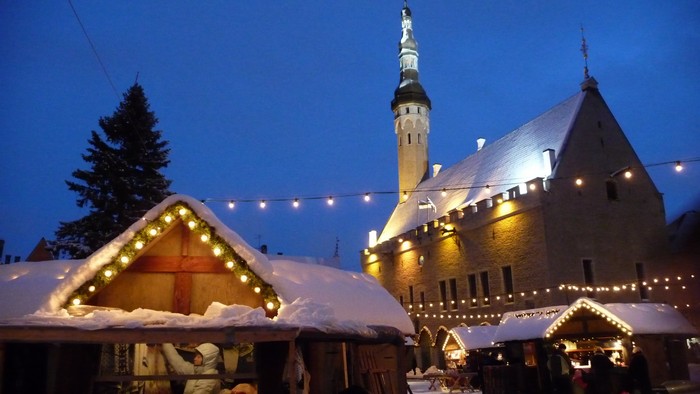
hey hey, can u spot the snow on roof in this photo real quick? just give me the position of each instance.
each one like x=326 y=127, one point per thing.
x=311 y=295
x=648 y=318
x=639 y=318
x=514 y=159
x=476 y=337
x=527 y=324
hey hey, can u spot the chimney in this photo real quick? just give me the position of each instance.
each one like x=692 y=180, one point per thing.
x=549 y=160
x=480 y=143
x=436 y=169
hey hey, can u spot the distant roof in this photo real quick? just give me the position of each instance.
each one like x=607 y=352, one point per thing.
x=514 y=159
x=527 y=324
x=311 y=295
x=476 y=337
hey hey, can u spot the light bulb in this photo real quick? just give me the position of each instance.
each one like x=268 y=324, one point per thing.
x=244 y=278
x=263 y=204
x=330 y=200
x=444 y=192
x=231 y=204
x=367 y=198
x=679 y=166
x=295 y=203
x=579 y=181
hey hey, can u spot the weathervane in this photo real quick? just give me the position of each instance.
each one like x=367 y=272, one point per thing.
x=584 y=50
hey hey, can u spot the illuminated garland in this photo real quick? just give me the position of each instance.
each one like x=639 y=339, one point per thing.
x=593 y=308
x=179 y=211
x=665 y=284
x=367 y=195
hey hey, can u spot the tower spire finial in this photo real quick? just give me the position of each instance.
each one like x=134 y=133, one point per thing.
x=584 y=50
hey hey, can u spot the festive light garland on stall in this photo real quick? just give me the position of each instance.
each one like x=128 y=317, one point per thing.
x=179 y=211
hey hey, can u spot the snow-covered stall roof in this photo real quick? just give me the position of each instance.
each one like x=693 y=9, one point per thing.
x=315 y=296
x=476 y=337
x=627 y=318
x=631 y=318
x=527 y=324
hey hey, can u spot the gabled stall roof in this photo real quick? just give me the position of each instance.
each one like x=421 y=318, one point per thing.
x=589 y=318
x=527 y=324
x=476 y=337
x=315 y=296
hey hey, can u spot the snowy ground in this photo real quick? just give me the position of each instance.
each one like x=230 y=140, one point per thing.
x=421 y=386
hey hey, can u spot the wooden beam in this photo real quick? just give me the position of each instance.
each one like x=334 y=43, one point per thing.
x=182 y=293
x=218 y=335
x=168 y=264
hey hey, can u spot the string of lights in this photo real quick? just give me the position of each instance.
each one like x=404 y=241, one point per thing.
x=330 y=199
x=426 y=309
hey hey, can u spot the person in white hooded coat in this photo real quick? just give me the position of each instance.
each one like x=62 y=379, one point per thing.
x=205 y=361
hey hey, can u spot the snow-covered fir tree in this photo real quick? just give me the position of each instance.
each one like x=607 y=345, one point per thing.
x=124 y=179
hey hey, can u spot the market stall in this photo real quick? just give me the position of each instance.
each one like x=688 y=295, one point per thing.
x=181 y=276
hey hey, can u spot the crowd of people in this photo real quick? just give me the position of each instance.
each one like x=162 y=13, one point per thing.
x=598 y=379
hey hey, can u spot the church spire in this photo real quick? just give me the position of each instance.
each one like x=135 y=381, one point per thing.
x=411 y=107
x=588 y=81
x=409 y=89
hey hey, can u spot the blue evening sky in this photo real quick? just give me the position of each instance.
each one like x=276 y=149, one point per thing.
x=284 y=99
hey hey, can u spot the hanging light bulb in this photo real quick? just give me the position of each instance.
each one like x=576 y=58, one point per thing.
x=367 y=198
x=405 y=196
x=679 y=166
x=488 y=187
x=231 y=204
x=330 y=200
x=295 y=204
x=444 y=192
x=263 y=204
x=579 y=181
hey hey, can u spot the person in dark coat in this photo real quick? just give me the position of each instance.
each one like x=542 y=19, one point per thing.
x=638 y=373
x=561 y=370
x=600 y=378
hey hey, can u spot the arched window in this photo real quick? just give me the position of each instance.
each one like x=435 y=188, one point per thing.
x=409 y=138
x=419 y=141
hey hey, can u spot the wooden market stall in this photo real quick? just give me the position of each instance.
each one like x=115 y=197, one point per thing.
x=181 y=276
x=529 y=335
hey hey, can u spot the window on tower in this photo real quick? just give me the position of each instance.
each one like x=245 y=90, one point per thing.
x=419 y=141
x=409 y=138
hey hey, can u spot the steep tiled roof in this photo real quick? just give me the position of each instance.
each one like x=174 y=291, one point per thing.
x=503 y=164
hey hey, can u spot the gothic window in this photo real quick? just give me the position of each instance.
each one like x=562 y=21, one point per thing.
x=507 y=272
x=611 y=188
x=471 y=280
x=409 y=138
x=588 y=275
x=443 y=296
x=453 y=294
x=643 y=291
x=419 y=141
x=485 y=291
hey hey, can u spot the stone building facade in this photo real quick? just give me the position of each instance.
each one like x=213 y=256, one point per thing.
x=558 y=209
